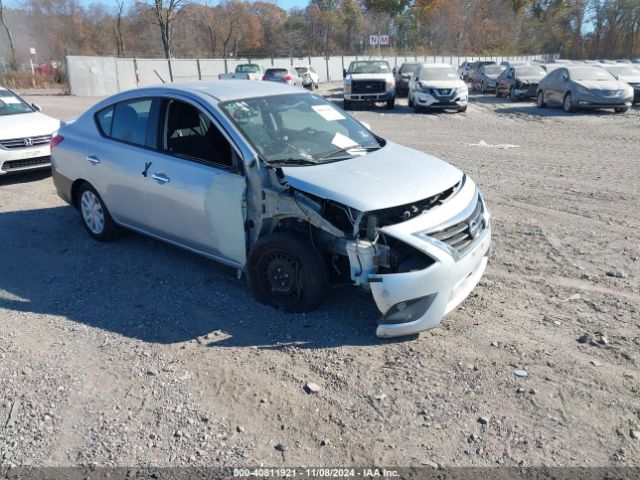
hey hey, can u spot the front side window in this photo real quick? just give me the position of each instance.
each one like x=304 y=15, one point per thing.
x=299 y=129
x=11 y=104
x=126 y=121
x=189 y=133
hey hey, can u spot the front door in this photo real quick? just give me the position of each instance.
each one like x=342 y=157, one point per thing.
x=195 y=191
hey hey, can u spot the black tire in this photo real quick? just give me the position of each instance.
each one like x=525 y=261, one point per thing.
x=621 y=109
x=463 y=109
x=482 y=88
x=567 y=103
x=316 y=86
x=288 y=262
x=410 y=97
x=391 y=104
x=92 y=209
x=498 y=93
x=512 y=97
x=540 y=100
x=346 y=104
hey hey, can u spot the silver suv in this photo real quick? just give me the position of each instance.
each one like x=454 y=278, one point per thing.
x=284 y=186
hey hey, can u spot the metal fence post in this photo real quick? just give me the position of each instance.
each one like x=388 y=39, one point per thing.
x=326 y=61
x=170 y=70
x=135 y=72
x=199 y=71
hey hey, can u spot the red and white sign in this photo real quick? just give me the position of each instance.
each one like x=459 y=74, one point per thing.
x=384 y=39
x=373 y=39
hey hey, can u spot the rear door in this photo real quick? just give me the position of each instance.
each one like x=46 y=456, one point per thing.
x=117 y=161
x=195 y=190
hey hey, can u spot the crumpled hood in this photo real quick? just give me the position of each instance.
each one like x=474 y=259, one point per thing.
x=370 y=76
x=22 y=125
x=443 y=83
x=389 y=177
x=603 y=84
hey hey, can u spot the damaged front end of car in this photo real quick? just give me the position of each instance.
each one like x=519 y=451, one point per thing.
x=419 y=260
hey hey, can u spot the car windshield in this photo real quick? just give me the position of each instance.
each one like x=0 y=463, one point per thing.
x=299 y=129
x=493 y=69
x=625 y=71
x=248 y=69
x=11 y=104
x=590 y=73
x=530 y=72
x=408 y=68
x=369 y=67
x=438 y=73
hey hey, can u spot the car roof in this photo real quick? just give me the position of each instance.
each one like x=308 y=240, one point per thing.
x=436 y=65
x=223 y=90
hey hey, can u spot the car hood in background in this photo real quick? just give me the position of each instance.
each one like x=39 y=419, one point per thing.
x=391 y=176
x=22 y=125
x=630 y=78
x=443 y=83
x=370 y=76
x=602 y=85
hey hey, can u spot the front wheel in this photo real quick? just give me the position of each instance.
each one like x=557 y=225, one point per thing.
x=567 y=105
x=621 y=109
x=285 y=271
x=94 y=213
x=391 y=104
x=463 y=109
x=540 y=100
x=410 y=99
x=482 y=88
x=346 y=104
x=512 y=96
x=498 y=93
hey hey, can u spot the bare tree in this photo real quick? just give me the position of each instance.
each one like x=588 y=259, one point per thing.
x=164 y=14
x=14 y=60
x=118 y=29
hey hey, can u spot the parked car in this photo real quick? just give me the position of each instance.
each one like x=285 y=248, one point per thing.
x=244 y=71
x=520 y=81
x=369 y=81
x=550 y=67
x=584 y=87
x=438 y=86
x=25 y=135
x=484 y=79
x=403 y=77
x=463 y=70
x=284 y=186
x=310 y=78
x=287 y=75
x=475 y=66
x=626 y=73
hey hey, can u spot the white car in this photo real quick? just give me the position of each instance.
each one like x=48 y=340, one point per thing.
x=25 y=135
x=437 y=86
x=310 y=78
x=284 y=186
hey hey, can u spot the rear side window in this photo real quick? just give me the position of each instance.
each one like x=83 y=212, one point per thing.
x=126 y=121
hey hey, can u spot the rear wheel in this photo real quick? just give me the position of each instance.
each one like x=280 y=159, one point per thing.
x=285 y=271
x=346 y=104
x=94 y=213
x=498 y=93
x=410 y=99
x=567 y=104
x=621 y=109
x=540 y=100
x=391 y=104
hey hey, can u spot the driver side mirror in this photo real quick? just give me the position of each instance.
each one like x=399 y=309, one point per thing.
x=36 y=107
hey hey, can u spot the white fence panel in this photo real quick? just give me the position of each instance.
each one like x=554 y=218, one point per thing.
x=185 y=70
x=126 y=74
x=92 y=76
x=152 y=72
x=210 y=69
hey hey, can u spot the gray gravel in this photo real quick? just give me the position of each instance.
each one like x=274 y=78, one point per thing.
x=136 y=353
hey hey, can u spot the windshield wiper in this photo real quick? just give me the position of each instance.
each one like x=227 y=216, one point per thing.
x=291 y=161
x=346 y=150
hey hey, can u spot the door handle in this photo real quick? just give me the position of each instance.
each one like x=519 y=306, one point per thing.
x=160 y=177
x=93 y=159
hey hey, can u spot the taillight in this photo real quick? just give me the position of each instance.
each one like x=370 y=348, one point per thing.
x=264 y=77
x=288 y=78
x=57 y=140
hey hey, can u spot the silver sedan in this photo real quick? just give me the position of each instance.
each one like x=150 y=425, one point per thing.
x=575 y=87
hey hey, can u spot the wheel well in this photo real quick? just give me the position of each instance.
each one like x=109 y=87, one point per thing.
x=75 y=188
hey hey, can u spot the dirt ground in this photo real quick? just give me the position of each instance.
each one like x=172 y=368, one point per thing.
x=138 y=353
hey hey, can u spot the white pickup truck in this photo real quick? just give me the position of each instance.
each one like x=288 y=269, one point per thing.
x=244 y=71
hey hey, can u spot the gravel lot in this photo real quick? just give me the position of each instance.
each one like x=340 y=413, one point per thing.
x=138 y=353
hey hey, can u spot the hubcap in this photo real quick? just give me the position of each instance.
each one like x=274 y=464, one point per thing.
x=92 y=212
